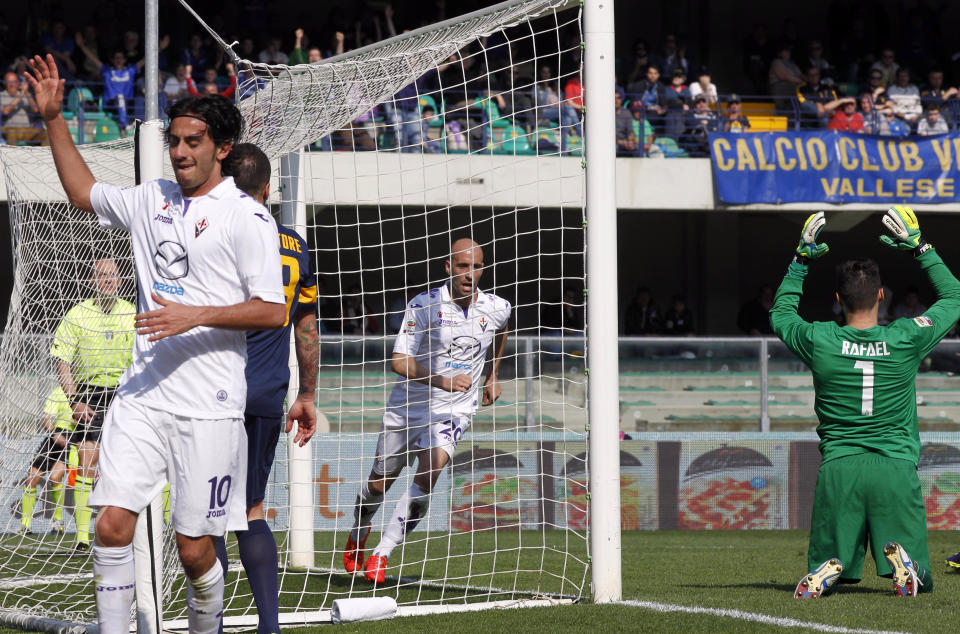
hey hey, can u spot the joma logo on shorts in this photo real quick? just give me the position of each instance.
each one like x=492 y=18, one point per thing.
x=216 y=513
x=114 y=588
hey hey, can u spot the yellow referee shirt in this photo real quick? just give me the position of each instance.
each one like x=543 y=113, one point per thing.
x=97 y=345
x=58 y=408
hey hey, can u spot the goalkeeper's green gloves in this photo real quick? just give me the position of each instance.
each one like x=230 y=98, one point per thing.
x=808 y=248
x=901 y=222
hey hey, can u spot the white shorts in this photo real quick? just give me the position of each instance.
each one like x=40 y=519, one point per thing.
x=205 y=460
x=406 y=431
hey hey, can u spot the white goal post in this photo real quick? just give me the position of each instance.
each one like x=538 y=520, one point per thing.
x=492 y=142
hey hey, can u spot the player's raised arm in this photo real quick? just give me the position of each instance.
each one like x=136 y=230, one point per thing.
x=903 y=228
x=73 y=172
x=786 y=323
x=491 y=386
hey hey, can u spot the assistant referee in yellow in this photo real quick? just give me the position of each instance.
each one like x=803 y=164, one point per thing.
x=92 y=347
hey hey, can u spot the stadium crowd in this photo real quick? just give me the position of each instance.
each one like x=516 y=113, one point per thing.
x=666 y=103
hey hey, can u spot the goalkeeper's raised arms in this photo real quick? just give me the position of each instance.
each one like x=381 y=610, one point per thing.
x=901 y=222
x=808 y=248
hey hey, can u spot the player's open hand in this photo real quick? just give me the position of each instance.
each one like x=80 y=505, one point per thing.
x=461 y=383
x=808 y=248
x=491 y=391
x=47 y=86
x=170 y=319
x=305 y=413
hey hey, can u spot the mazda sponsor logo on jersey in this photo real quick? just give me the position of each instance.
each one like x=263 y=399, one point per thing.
x=171 y=260
x=463 y=350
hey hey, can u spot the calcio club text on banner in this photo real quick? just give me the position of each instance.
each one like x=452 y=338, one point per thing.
x=834 y=167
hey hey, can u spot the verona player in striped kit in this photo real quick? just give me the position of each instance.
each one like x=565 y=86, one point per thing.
x=864 y=374
x=268 y=376
x=441 y=357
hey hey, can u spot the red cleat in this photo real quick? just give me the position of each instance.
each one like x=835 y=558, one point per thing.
x=353 y=553
x=376 y=569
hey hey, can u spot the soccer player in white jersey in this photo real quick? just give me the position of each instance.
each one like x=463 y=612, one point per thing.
x=208 y=270
x=441 y=357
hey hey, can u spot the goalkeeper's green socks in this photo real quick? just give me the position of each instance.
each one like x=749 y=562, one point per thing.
x=82 y=512
x=26 y=507
x=56 y=496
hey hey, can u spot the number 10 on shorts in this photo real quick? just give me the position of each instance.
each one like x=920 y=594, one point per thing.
x=219 y=495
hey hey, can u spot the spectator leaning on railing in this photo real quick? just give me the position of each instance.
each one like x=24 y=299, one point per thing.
x=871 y=115
x=932 y=123
x=734 y=120
x=934 y=92
x=16 y=106
x=846 y=118
x=817 y=100
x=700 y=122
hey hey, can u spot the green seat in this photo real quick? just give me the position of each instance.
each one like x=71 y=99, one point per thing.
x=669 y=147
x=574 y=145
x=106 y=130
x=82 y=99
x=515 y=141
x=496 y=119
x=548 y=138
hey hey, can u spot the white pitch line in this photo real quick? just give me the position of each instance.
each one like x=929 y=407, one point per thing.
x=750 y=616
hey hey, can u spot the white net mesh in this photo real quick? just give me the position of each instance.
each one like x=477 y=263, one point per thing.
x=454 y=131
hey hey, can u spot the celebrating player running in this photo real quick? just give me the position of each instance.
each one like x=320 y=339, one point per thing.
x=864 y=377
x=207 y=270
x=440 y=355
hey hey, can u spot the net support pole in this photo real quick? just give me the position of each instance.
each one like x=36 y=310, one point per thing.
x=151 y=54
x=764 y=386
x=293 y=213
x=148 y=535
x=603 y=380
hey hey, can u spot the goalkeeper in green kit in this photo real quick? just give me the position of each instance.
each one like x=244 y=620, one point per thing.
x=867 y=492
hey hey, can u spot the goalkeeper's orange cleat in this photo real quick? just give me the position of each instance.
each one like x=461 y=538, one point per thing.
x=376 y=569
x=353 y=552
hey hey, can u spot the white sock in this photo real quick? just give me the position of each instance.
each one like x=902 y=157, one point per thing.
x=115 y=581
x=367 y=505
x=205 y=601
x=408 y=512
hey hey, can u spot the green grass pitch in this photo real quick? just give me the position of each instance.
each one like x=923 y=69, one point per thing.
x=751 y=571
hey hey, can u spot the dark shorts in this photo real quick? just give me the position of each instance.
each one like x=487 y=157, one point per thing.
x=862 y=502
x=49 y=454
x=99 y=398
x=262 y=436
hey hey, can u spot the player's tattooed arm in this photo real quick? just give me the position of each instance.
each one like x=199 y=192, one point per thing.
x=491 y=387
x=307 y=345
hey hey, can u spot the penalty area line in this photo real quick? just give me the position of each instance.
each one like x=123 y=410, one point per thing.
x=750 y=616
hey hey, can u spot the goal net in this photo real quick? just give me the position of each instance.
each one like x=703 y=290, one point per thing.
x=382 y=157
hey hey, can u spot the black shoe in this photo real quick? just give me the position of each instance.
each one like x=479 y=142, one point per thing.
x=82 y=547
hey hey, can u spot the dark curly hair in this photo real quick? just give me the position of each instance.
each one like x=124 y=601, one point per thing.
x=858 y=282
x=249 y=167
x=223 y=119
